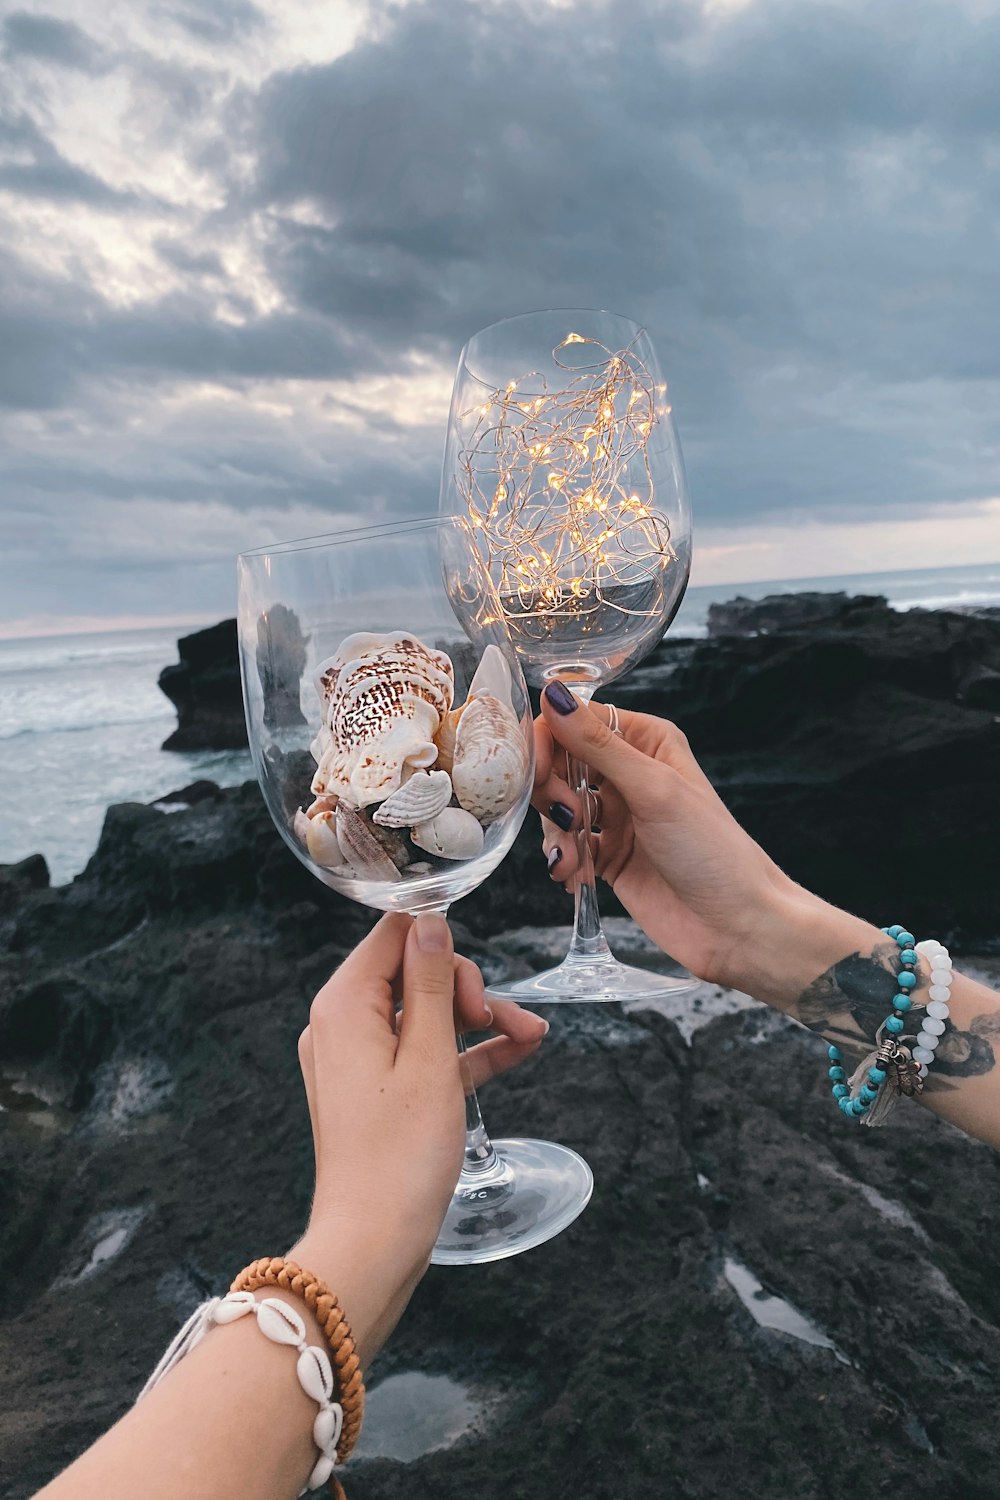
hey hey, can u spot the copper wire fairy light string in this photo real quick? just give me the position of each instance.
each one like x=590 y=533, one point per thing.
x=550 y=482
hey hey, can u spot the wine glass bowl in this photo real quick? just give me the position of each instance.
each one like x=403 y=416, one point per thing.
x=562 y=454
x=393 y=743
x=395 y=836
x=562 y=457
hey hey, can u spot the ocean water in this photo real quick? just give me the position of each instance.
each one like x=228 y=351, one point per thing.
x=82 y=719
x=81 y=725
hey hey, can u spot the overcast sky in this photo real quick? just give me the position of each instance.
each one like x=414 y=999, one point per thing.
x=242 y=243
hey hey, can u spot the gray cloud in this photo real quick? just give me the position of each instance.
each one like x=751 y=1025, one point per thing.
x=799 y=201
x=25 y=34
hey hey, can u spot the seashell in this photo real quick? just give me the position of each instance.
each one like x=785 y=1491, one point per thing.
x=322 y=804
x=322 y=1470
x=491 y=759
x=300 y=825
x=322 y=841
x=420 y=798
x=365 y=855
x=445 y=739
x=393 y=842
x=315 y=1373
x=327 y=1426
x=280 y=1323
x=234 y=1305
x=453 y=834
x=492 y=678
x=383 y=699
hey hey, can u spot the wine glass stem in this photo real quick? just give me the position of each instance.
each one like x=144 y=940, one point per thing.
x=589 y=943
x=479 y=1153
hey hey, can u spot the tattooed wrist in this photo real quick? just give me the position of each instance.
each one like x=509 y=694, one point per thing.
x=849 y=1002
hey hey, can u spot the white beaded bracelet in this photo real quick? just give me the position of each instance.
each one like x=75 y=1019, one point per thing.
x=932 y=1026
x=282 y=1325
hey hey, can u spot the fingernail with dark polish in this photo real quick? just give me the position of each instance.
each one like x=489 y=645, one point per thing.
x=561 y=815
x=555 y=855
x=561 y=698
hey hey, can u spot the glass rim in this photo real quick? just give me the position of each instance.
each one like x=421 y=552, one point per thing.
x=637 y=330
x=350 y=534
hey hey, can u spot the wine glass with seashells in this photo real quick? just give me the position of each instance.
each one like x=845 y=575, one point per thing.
x=393 y=746
x=562 y=458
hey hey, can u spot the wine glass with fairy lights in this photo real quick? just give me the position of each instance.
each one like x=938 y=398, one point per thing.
x=393 y=746
x=562 y=458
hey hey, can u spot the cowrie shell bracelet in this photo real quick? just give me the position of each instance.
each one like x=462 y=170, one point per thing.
x=338 y=1422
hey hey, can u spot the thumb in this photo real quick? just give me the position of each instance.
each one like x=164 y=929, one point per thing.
x=585 y=734
x=428 y=1021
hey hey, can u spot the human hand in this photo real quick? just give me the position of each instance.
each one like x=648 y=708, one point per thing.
x=693 y=879
x=386 y=1099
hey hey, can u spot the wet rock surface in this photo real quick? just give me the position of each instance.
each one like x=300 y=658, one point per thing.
x=760 y=1298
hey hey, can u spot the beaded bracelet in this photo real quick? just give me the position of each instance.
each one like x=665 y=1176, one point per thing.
x=866 y=1097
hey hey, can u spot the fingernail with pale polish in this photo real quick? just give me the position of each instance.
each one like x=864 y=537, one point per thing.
x=561 y=815
x=555 y=855
x=432 y=932
x=561 y=698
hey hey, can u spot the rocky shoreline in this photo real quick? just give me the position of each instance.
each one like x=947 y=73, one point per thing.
x=758 y=1300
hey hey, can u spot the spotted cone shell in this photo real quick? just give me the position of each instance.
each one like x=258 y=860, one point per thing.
x=491 y=759
x=384 y=697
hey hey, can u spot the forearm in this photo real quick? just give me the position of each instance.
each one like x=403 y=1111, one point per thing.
x=836 y=973
x=230 y=1420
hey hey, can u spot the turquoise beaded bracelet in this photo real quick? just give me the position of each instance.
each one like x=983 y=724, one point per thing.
x=891 y=1058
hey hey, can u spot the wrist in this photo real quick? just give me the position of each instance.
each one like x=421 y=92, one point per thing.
x=800 y=937
x=362 y=1267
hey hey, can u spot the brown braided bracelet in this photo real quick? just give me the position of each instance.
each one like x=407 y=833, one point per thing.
x=276 y=1271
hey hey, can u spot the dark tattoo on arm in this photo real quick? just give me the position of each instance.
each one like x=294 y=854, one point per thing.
x=851 y=1000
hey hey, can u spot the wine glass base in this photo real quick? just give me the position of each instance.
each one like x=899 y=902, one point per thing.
x=578 y=981
x=532 y=1192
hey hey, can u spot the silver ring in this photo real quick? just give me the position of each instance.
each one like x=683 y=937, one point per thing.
x=614 y=723
x=596 y=808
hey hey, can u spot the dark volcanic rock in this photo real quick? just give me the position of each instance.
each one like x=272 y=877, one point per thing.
x=855 y=751
x=625 y=1358
x=204 y=687
x=149 y=1097
x=742 y=616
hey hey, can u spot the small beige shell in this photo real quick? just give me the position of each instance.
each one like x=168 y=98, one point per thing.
x=366 y=857
x=322 y=841
x=419 y=799
x=445 y=739
x=453 y=834
x=491 y=759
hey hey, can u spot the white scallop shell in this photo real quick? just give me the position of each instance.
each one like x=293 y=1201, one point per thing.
x=315 y=1373
x=365 y=855
x=491 y=759
x=453 y=834
x=420 y=798
x=492 y=677
x=279 y=1322
x=383 y=699
x=322 y=841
